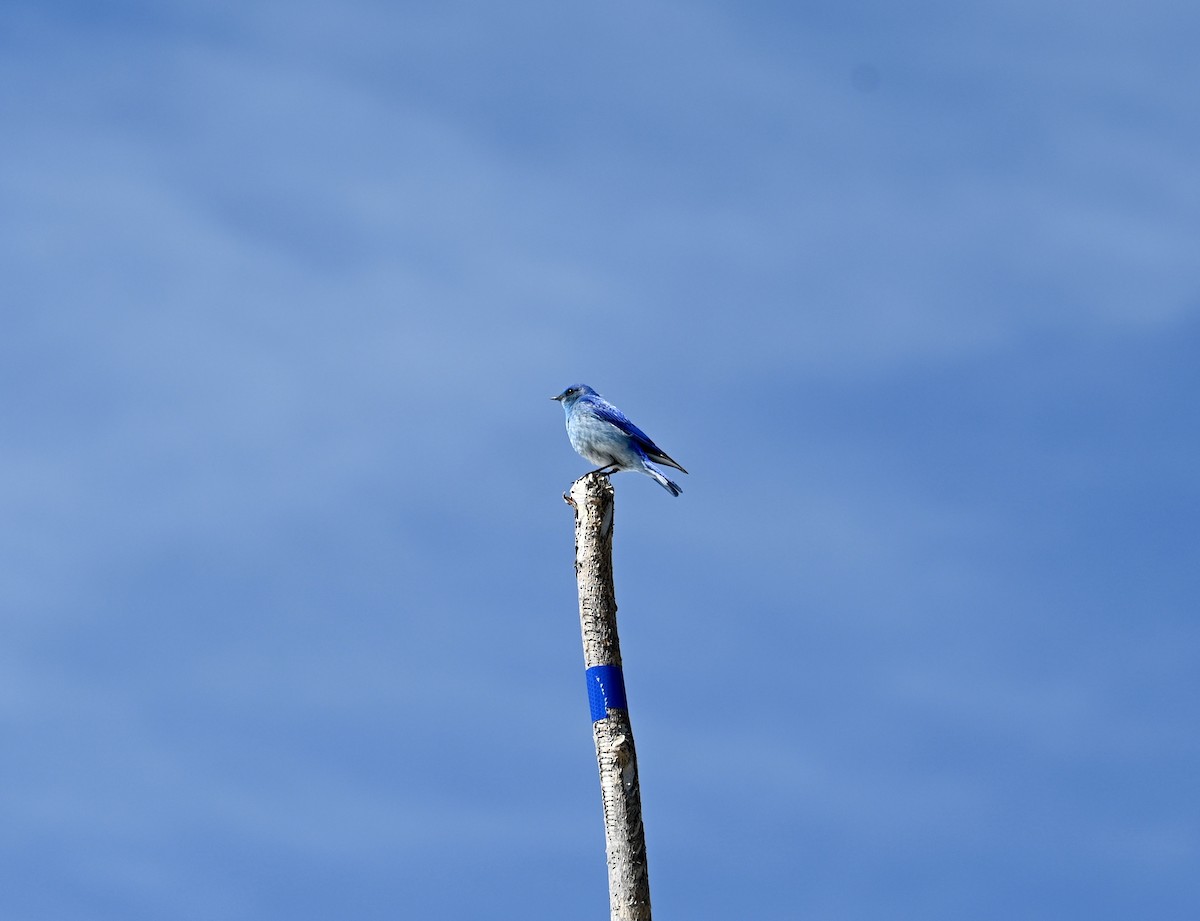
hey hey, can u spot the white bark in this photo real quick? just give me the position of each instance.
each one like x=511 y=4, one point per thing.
x=624 y=837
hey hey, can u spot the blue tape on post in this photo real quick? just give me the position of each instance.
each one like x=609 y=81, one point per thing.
x=606 y=690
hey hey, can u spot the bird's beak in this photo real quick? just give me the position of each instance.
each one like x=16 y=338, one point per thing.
x=557 y=398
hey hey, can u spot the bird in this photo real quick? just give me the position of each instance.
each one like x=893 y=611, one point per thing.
x=604 y=435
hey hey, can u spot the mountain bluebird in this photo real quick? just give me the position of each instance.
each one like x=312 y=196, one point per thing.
x=604 y=435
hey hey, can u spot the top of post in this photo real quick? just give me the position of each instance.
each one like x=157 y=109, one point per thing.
x=592 y=498
x=590 y=489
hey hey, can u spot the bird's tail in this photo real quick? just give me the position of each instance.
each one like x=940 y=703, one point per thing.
x=672 y=488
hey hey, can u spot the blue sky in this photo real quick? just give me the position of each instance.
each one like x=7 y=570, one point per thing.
x=288 y=609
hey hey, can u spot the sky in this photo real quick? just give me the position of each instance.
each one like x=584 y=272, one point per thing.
x=288 y=623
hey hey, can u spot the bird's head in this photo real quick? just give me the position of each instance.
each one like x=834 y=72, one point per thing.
x=573 y=394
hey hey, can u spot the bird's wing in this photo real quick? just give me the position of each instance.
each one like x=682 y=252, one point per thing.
x=609 y=413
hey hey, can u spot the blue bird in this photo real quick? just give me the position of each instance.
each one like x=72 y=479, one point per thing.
x=604 y=435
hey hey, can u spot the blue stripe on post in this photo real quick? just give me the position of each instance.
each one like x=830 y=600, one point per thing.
x=606 y=690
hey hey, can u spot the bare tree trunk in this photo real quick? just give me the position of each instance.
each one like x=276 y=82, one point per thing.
x=624 y=837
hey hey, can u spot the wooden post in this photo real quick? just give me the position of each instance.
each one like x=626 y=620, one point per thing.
x=624 y=838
